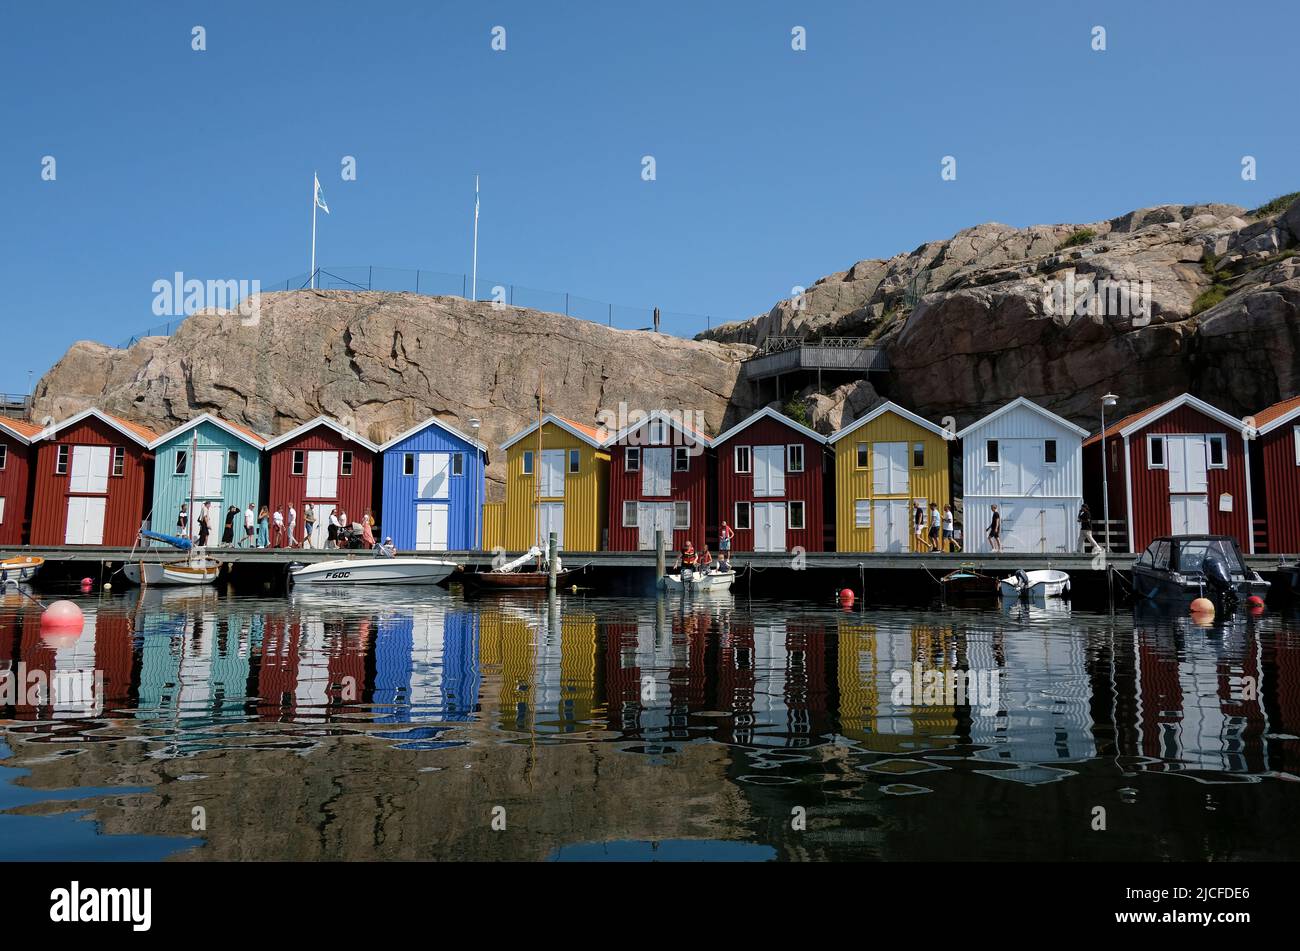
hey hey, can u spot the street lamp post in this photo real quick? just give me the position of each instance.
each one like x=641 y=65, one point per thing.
x=1110 y=399
x=474 y=424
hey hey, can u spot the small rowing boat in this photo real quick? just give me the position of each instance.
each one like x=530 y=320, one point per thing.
x=507 y=577
x=1035 y=585
x=966 y=582
x=195 y=570
x=690 y=582
x=22 y=568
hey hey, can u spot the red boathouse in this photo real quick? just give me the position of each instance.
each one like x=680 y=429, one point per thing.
x=658 y=480
x=1177 y=468
x=15 y=478
x=326 y=465
x=1277 y=449
x=771 y=475
x=91 y=480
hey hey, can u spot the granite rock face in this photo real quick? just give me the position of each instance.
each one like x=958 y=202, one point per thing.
x=380 y=362
x=1198 y=298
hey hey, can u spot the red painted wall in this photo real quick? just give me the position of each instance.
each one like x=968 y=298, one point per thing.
x=15 y=489
x=691 y=486
x=1281 y=490
x=124 y=511
x=355 y=492
x=1150 y=517
x=808 y=486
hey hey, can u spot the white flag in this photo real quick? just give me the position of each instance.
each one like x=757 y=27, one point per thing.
x=320 y=198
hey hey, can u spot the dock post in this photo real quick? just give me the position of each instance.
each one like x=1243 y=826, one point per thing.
x=550 y=567
x=661 y=558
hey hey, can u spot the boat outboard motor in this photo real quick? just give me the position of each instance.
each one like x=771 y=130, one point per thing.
x=1217 y=574
x=1022 y=580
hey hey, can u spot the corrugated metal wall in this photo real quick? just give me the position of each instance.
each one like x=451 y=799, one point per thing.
x=1151 y=518
x=1064 y=482
x=15 y=490
x=465 y=493
x=808 y=486
x=354 y=492
x=494 y=525
x=586 y=493
x=929 y=482
x=124 y=510
x=690 y=486
x=1281 y=490
x=170 y=489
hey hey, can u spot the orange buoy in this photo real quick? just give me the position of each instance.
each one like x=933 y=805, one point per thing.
x=1202 y=607
x=62 y=617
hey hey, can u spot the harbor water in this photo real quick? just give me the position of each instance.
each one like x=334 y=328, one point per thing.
x=420 y=724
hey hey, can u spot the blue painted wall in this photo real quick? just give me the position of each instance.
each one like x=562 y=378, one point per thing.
x=464 y=496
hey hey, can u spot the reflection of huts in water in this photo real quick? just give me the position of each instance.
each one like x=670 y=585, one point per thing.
x=867 y=660
x=195 y=666
x=1043 y=713
x=66 y=675
x=1281 y=697
x=426 y=665
x=1198 y=705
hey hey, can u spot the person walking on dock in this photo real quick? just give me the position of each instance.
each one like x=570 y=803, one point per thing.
x=1085 y=529
x=277 y=523
x=332 y=532
x=228 y=532
x=918 y=523
x=934 y=526
x=183 y=521
x=250 y=527
x=264 y=527
x=205 y=524
x=995 y=529
x=308 y=524
x=368 y=529
x=293 y=524
x=949 y=539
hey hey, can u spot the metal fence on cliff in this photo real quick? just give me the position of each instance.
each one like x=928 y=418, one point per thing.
x=446 y=284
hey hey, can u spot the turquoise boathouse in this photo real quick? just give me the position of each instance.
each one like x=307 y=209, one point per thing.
x=224 y=462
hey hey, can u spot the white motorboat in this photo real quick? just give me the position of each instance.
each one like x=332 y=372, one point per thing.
x=189 y=571
x=344 y=571
x=692 y=581
x=1035 y=585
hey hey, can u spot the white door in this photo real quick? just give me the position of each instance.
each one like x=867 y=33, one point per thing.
x=1010 y=462
x=209 y=468
x=552 y=486
x=890 y=522
x=89 y=469
x=322 y=475
x=889 y=468
x=656 y=471
x=769 y=471
x=1187 y=461
x=652 y=517
x=552 y=520
x=1189 y=514
x=85 y=521
x=433 y=476
x=431 y=527
x=769 y=526
x=320 y=534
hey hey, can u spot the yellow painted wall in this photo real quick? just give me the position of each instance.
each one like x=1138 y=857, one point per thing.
x=851 y=483
x=586 y=493
x=494 y=525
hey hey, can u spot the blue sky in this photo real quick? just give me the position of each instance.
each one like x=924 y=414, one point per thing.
x=774 y=167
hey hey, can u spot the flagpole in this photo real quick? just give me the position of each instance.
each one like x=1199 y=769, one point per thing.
x=314 y=179
x=475 y=272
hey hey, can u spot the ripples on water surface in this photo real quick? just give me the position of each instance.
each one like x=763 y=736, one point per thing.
x=399 y=724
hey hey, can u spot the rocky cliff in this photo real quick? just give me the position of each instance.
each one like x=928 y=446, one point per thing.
x=381 y=362
x=1213 y=307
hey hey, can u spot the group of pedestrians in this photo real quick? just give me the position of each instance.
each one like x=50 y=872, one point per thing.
x=935 y=531
x=267 y=529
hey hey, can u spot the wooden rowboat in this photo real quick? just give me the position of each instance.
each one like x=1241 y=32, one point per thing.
x=193 y=571
x=21 y=568
x=515 y=580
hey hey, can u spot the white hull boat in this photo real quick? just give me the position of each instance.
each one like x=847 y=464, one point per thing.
x=695 y=581
x=1035 y=585
x=346 y=571
x=22 y=568
x=192 y=571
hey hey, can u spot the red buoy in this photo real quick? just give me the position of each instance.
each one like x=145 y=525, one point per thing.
x=846 y=597
x=62 y=617
x=1255 y=604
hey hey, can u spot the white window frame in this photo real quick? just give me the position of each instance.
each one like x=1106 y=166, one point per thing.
x=749 y=459
x=862 y=457
x=345 y=463
x=859 y=507
x=632 y=459
x=408 y=464
x=232 y=462
x=634 y=507
x=527 y=463
x=681 y=459
x=1210 y=440
x=749 y=517
x=182 y=456
x=457 y=464
x=61 y=459
x=1164 y=456
x=1295 y=433
x=789 y=457
x=2 y=510
x=987 y=461
x=4 y=455
x=117 y=462
x=918 y=447
x=792 y=506
x=681 y=524
x=573 y=462
x=299 y=462
x=1056 y=449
